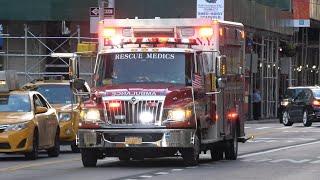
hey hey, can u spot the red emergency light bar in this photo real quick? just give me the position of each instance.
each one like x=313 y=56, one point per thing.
x=153 y=40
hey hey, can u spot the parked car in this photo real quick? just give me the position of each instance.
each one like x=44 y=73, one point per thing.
x=301 y=104
x=67 y=105
x=28 y=124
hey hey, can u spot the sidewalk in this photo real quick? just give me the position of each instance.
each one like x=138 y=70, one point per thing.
x=263 y=121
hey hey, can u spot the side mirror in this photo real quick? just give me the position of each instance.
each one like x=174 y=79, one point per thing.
x=40 y=110
x=79 y=87
x=221 y=66
x=221 y=83
x=73 y=68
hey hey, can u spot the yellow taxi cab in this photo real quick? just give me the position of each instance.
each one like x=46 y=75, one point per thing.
x=67 y=105
x=28 y=123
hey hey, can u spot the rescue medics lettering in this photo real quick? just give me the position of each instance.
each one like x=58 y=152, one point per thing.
x=124 y=56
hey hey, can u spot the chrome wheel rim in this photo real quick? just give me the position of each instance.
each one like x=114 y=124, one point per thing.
x=285 y=118
x=304 y=118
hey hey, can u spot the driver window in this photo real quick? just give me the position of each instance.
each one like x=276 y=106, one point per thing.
x=190 y=68
x=37 y=102
x=43 y=102
x=301 y=96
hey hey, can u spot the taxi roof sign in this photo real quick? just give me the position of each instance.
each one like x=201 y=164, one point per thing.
x=8 y=81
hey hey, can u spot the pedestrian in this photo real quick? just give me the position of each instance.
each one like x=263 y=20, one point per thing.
x=256 y=101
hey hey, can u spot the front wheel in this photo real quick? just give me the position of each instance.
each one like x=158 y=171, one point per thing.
x=191 y=155
x=89 y=158
x=307 y=122
x=286 y=119
x=55 y=150
x=35 y=147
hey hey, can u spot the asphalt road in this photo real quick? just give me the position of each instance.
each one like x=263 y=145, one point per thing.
x=276 y=152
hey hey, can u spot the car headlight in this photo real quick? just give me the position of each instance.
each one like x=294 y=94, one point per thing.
x=178 y=115
x=92 y=115
x=284 y=103
x=146 y=117
x=17 y=127
x=64 y=116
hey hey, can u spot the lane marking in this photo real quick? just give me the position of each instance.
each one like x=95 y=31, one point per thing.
x=246 y=127
x=263 y=128
x=291 y=161
x=19 y=167
x=146 y=176
x=161 y=173
x=278 y=149
x=315 y=162
x=176 y=169
x=284 y=128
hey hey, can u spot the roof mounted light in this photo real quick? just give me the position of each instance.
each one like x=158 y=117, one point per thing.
x=206 y=32
x=108 y=32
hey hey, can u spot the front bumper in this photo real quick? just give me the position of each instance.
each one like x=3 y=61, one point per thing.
x=16 y=141
x=151 y=138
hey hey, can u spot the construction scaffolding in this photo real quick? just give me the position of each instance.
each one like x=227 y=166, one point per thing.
x=265 y=73
x=30 y=54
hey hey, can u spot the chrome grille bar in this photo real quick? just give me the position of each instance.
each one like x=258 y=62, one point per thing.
x=129 y=112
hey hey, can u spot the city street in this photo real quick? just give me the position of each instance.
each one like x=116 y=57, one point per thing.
x=276 y=152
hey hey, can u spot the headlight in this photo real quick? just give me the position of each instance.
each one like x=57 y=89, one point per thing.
x=64 y=116
x=17 y=127
x=146 y=117
x=91 y=115
x=284 y=103
x=178 y=115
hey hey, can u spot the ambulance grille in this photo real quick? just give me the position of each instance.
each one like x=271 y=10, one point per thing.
x=129 y=112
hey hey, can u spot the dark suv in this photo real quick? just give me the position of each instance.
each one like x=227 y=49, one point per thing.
x=300 y=104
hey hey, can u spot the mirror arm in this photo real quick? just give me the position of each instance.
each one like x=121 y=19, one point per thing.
x=213 y=93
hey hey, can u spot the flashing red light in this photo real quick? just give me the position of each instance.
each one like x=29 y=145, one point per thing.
x=114 y=105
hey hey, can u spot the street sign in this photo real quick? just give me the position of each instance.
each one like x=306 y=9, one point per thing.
x=94 y=11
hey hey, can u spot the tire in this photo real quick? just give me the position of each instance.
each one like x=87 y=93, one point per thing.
x=191 y=155
x=216 y=155
x=89 y=158
x=231 y=151
x=55 y=150
x=35 y=147
x=307 y=122
x=286 y=119
x=74 y=147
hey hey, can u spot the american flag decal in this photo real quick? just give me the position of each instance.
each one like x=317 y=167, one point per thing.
x=197 y=81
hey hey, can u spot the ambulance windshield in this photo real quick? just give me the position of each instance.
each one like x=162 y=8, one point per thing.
x=144 y=67
x=15 y=103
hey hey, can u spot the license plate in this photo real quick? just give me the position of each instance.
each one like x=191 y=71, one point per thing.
x=133 y=140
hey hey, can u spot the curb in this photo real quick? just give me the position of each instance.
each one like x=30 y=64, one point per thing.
x=263 y=121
